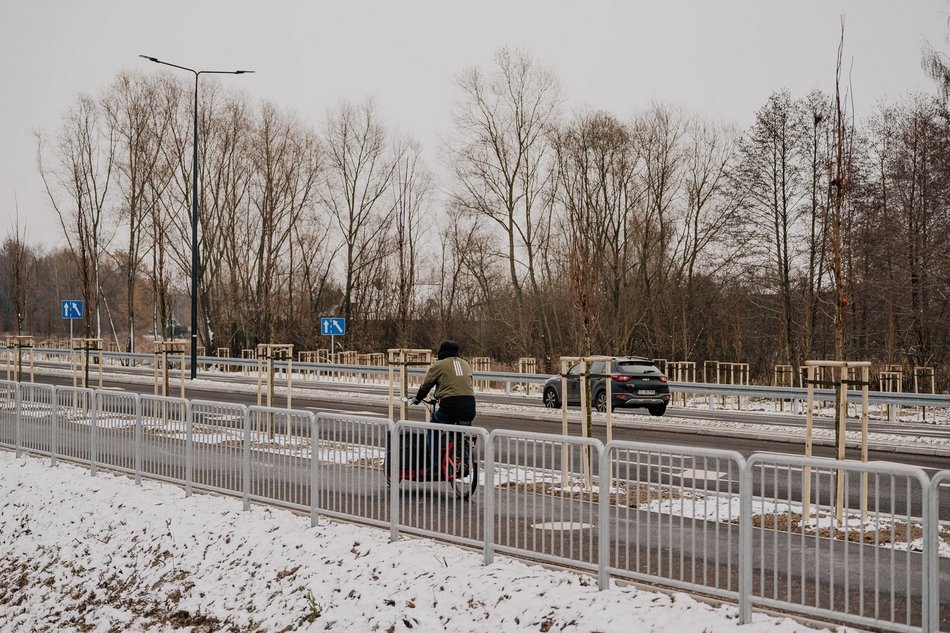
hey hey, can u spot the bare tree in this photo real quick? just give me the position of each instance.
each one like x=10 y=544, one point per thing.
x=597 y=177
x=358 y=174
x=138 y=129
x=167 y=203
x=78 y=185
x=501 y=156
x=411 y=189
x=816 y=122
x=22 y=265
x=839 y=184
x=770 y=177
x=658 y=135
x=285 y=163
x=709 y=207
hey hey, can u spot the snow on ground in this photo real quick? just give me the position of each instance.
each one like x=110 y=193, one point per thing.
x=100 y=554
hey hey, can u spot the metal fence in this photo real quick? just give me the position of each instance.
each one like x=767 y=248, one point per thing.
x=673 y=515
x=543 y=497
x=350 y=469
x=855 y=564
x=700 y=520
x=445 y=511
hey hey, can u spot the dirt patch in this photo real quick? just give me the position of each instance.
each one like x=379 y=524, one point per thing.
x=898 y=532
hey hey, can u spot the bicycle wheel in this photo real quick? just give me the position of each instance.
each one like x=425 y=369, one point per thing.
x=464 y=467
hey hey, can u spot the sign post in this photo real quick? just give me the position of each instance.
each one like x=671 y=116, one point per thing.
x=71 y=309
x=332 y=327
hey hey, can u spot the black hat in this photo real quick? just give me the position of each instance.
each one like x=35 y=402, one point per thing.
x=447 y=349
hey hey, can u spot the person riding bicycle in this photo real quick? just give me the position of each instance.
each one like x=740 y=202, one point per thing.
x=451 y=376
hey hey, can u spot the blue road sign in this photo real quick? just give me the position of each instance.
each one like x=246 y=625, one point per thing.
x=333 y=326
x=71 y=308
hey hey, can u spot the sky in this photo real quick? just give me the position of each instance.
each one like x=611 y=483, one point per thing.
x=718 y=59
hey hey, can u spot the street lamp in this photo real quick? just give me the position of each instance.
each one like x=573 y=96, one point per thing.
x=194 y=207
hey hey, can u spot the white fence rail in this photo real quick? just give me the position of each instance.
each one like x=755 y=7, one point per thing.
x=700 y=520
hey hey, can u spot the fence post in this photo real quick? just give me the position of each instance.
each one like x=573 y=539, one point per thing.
x=94 y=432
x=489 y=550
x=931 y=536
x=314 y=462
x=54 y=440
x=17 y=418
x=603 y=520
x=246 y=461
x=745 y=541
x=394 y=472
x=138 y=440
x=189 y=449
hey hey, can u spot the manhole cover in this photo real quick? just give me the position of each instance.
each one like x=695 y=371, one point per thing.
x=562 y=526
x=709 y=475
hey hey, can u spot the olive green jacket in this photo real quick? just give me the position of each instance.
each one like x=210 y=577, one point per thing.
x=450 y=376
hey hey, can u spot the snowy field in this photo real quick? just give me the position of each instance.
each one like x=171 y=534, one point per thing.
x=99 y=554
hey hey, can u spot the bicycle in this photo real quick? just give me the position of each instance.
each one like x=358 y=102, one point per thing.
x=456 y=463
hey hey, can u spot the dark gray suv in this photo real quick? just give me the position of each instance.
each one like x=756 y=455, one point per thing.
x=636 y=382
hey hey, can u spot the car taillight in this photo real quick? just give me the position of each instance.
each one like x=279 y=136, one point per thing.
x=662 y=378
x=621 y=378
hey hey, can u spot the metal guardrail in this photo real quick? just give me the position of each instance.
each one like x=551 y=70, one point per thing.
x=708 y=389
x=664 y=514
x=797 y=393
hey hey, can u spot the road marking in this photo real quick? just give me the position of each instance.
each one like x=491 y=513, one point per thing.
x=329 y=410
x=709 y=475
x=562 y=526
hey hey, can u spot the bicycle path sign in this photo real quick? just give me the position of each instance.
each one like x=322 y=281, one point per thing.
x=71 y=309
x=332 y=326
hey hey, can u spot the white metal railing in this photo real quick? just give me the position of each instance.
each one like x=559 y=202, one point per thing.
x=851 y=568
x=700 y=520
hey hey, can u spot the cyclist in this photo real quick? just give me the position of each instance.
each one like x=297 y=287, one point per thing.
x=452 y=378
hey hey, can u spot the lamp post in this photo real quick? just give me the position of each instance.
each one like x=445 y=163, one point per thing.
x=194 y=206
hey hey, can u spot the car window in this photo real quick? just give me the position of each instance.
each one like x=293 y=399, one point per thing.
x=637 y=367
x=575 y=370
x=597 y=367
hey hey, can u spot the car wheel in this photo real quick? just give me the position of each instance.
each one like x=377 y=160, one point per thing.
x=600 y=401
x=550 y=399
x=657 y=409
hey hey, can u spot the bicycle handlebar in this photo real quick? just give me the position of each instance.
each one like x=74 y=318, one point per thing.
x=410 y=400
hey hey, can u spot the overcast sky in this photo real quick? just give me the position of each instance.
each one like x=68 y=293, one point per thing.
x=720 y=59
